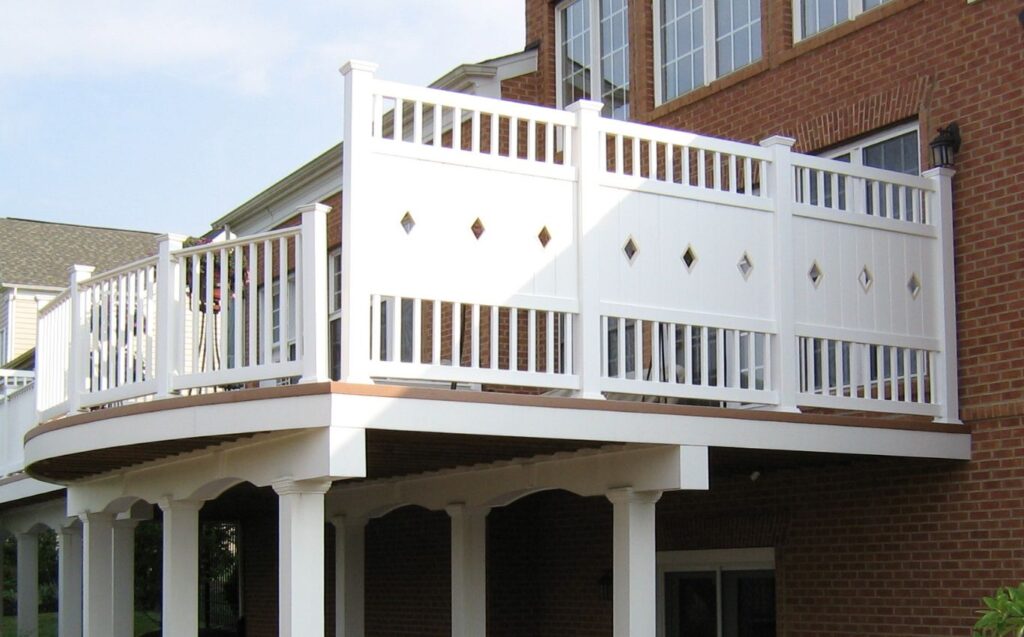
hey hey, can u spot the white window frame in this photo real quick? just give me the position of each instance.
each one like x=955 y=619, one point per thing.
x=595 y=52
x=710 y=51
x=856 y=8
x=333 y=299
x=856 y=147
x=717 y=560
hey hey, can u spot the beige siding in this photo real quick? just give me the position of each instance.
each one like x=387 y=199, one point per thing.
x=24 y=321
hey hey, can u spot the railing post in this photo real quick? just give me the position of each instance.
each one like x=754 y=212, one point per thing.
x=314 y=292
x=357 y=181
x=779 y=181
x=588 y=155
x=167 y=304
x=77 y=353
x=940 y=210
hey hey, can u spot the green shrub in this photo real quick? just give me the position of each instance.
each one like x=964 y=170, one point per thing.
x=1005 y=614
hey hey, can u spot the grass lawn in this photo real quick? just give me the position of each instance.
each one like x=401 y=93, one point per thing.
x=48 y=624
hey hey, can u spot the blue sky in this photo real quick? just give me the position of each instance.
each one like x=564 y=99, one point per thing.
x=163 y=115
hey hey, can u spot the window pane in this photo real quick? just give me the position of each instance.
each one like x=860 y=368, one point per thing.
x=575 y=43
x=748 y=603
x=737 y=34
x=682 y=47
x=615 y=58
x=899 y=154
x=335 y=348
x=691 y=605
x=822 y=14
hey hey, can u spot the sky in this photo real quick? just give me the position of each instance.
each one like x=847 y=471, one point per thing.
x=164 y=115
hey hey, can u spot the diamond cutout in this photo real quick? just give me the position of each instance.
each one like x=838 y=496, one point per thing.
x=745 y=265
x=815 y=274
x=914 y=285
x=865 y=279
x=544 y=237
x=689 y=258
x=631 y=249
x=408 y=223
x=477 y=228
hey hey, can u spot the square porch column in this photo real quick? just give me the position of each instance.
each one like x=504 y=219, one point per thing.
x=97 y=593
x=634 y=562
x=28 y=584
x=180 y=608
x=124 y=577
x=301 y=557
x=469 y=570
x=349 y=575
x=69 y=582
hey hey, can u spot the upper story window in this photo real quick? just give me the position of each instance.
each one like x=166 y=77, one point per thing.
x=812 y=16
x=594 y=33
x=700 y=40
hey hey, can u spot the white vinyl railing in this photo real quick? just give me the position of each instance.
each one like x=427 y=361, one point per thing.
x=205 y=318
x=13 y=381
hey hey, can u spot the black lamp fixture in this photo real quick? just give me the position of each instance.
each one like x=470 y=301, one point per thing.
x=945 y=146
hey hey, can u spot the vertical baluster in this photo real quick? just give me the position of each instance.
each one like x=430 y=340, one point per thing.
x=513 y=137
x=208 y=316
x=894 y=373
x=121 y=332
x=809 y=357
x=567 y=158
x=252 y=356
x=635 y=155
x=826 y=368
x=839 y=375
x=417 y=330
x=531 y=140
x=656 y=358
x=435 y=334
x=670 y=351
x=751 y=360
x=112 y=331
x=701 y=168
x=493 y=341
x=456 y=334
x=865 y=352
x=720 y=357
x=475 y=132
x=652 y=159
x=132 y=331
x=495 y=134
x=915 y=206
x=417 y=122
x=474 y=336
x=716 y=159
x=921 y=366
x=567 y=336
x=879 y=371
x=873 y=189
x=237 y=313
x=531 y=341
x=268 y=301
x=398 y=119
x=375 y=328
x=638 y=349
x=685 y=172
x=834 y=182
x=688 y=354
x=94 y=325
x=765 y=193
x=670 y=151
x=221 y=318
x=437 y=125
x=907 y=381
x=396 y=316
x=766 y=356
x=891 y=202
x=618 y=155
x=549 y=143
x=748 y=176
x=805 y=174
x=705 y=361
x=733 y=175
x=604 y=346
x=513 y=339
x=549 y=339
x=378 y=116
x=620 y=342
x=819 y=176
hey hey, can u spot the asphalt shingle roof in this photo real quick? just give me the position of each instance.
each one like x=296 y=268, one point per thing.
x=40 y=252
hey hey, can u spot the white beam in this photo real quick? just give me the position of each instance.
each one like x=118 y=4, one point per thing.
x=634 y=563
x=181 y=567
x=97 y=594
x=349 y=575
x=69 y=582
x=301 y=557
x=469 y=569
x=28 y=584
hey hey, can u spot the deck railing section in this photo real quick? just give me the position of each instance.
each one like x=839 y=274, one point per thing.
x=205 y=318
x=842 y=187
x=17 y=417
x=13 y=381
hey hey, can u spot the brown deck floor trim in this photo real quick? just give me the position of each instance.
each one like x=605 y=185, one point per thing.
x=493 y=398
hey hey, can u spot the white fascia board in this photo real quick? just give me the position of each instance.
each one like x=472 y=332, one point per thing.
x=26 y=487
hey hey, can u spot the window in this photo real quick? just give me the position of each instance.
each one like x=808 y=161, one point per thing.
x=685 y=30
x=722 y=593
x=813 y=16
x=594 y=32
x=334 y=318
x=895 y=148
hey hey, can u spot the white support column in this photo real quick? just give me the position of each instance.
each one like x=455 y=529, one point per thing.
x=97 y=594
x=357 y=179
x=123 y=577
x=634 y=563
x=314 y=293
x=947 y=382
x=167 y=273
x=77 y=355
x=587 y=154
x=69 y=582
x=349 y=575
x=779 y=182
x=301 y=557
x=469 y=570
x=28 y=584
x=181 y=567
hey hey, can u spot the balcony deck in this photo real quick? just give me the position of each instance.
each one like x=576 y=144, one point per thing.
x=498 y=244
